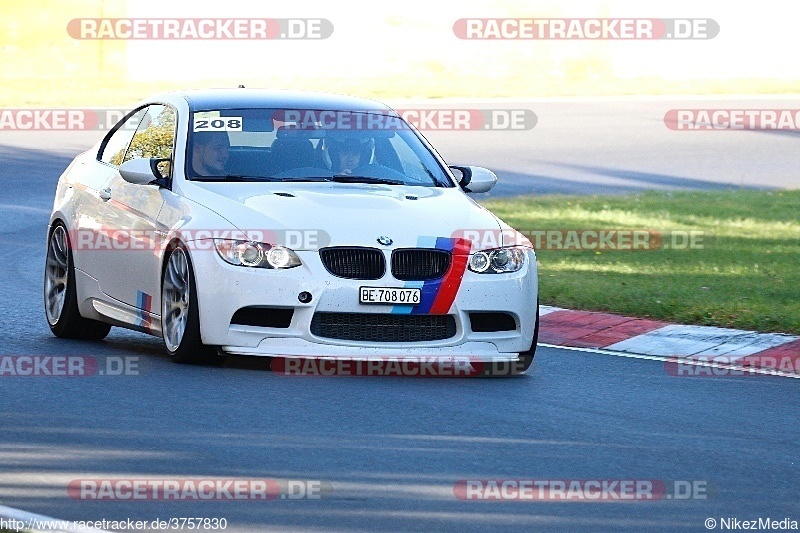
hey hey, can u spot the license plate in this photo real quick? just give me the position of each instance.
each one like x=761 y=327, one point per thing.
x=383 y=295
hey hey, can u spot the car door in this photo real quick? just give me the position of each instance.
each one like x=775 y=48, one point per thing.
x=91 y=194
x=132 y=275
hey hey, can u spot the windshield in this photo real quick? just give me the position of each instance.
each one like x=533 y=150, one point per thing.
x=308 y=145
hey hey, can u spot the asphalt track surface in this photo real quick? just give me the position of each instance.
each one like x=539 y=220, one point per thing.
x=390 y=448
x=611 y=146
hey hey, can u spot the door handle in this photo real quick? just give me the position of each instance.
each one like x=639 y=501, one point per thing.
x=105 y=194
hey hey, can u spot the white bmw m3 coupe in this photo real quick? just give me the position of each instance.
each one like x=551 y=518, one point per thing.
x=285 y=224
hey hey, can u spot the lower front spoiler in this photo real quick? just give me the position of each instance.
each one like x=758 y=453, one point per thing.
x=293 y=347
x=304 y=358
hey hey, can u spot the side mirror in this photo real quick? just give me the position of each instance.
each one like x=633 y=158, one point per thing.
x=475 y=179
x=142 y=171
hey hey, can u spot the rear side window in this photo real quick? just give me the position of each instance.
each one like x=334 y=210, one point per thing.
x=155 y=137
x=113 y=150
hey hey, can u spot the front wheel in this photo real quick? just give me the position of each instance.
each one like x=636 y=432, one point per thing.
x=526 y=358
x=180 y=317
x=61 y=294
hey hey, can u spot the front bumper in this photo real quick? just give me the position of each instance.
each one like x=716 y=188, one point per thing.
x=223 y=289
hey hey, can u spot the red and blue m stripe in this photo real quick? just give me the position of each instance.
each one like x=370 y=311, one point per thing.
x=437 y=296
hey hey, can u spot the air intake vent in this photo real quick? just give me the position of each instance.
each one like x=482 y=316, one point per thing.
x=485 y=322
x=263 y=317
x=383 y=327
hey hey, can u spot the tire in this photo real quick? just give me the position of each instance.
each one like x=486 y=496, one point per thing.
x=61 y=295
x=524 y=360
x=180 y=316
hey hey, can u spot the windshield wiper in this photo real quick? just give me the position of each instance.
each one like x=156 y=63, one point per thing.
x=340 y=178
x=232 y=177
x=238 y=177
x=304 y=178
x=346 y=178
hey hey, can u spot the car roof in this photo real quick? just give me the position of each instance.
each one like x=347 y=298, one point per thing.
x=211 y=99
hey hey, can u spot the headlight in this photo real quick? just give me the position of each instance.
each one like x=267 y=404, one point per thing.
x=256 y=254
x=497 y=261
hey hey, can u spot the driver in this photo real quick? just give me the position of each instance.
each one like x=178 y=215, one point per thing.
x=210 y=153
x=347 y=153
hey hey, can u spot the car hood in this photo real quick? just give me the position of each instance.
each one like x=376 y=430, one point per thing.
x=339 y=214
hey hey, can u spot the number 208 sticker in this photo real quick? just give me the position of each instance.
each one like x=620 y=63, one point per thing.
x=218 y=124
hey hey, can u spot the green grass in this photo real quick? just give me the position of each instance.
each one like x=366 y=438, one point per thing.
x=746 y=275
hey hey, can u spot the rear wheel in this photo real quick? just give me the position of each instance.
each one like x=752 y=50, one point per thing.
x=61 y=295
x=180 y=317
